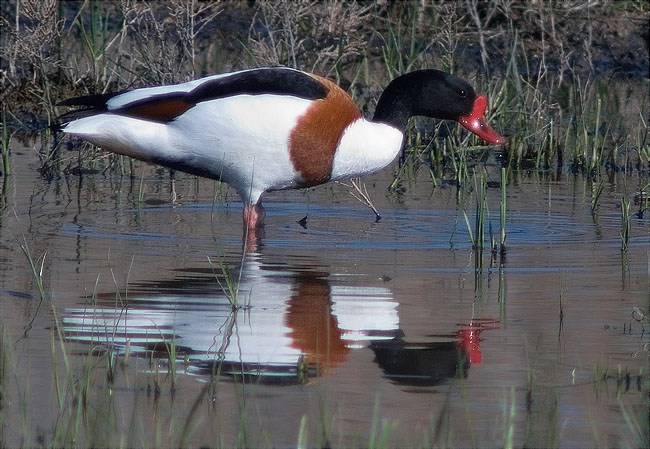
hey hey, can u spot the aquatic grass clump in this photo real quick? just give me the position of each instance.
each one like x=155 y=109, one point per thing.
x=480 y=218
x=228 y=281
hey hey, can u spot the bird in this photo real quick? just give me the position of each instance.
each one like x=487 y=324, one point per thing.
x=271 y=128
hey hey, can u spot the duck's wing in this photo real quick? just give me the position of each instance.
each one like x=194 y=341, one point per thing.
x=165 y=103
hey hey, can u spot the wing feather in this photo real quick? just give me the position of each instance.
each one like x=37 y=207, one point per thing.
x=165 y=103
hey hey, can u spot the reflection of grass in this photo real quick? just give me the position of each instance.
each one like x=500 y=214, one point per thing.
x=382 y=431
x=6 y=363
x=638 y=424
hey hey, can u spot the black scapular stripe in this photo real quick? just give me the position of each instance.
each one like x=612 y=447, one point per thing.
x=276 y=81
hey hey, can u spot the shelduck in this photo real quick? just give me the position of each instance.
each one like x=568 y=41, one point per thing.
x=270 y=129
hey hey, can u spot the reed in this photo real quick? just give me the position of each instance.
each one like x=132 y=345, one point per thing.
x=561 y=302
x=503 y=213
x=5 y=169
x=404 y=49
x=597 y=190
x=481 y=215
x=302 y=434
x=498 y=245
x=37 y=269
x=229 y=280
x=4 y=146
x=625 y=224
x=97 y=36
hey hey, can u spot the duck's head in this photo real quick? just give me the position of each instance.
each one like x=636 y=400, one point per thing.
x=436 y=94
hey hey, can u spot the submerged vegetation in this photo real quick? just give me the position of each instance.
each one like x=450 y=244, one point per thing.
x=567 y=83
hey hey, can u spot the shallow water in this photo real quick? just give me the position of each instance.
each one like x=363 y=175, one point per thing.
x=346 y=324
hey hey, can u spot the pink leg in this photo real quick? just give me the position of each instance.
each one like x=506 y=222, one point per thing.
x=253 y=223
x=253 y=216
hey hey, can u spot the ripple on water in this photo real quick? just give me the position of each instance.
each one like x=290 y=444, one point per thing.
x=354 y=227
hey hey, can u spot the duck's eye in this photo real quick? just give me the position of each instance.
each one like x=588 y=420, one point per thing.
x=462 y=93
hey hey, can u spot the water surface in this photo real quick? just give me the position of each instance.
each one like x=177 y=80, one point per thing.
x=346 y=323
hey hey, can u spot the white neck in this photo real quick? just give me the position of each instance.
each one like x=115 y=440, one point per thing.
x=365 y=147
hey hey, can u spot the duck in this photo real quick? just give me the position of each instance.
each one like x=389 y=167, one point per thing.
x=274 y=128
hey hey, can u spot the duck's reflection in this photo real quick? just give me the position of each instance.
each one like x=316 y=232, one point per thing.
x=431 y=362
x=290 y=322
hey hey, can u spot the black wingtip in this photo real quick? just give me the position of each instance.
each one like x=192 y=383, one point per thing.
x=71 y=116
x=89 y=101
x=89 y=105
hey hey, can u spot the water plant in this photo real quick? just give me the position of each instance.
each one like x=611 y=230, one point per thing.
x=500 y=246
x=597 y=190
x=5 y=169
x=625 y=224
x=402 y=49
x=481 y=215
x=228 y=282
x=561 y=300
x=4 y=146
x=36 y=267
x=503 y=211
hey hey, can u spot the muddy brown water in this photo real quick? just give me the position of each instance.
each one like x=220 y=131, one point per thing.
x=346 y=324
